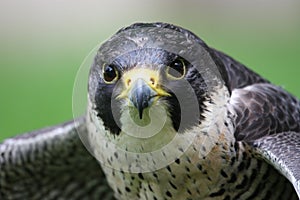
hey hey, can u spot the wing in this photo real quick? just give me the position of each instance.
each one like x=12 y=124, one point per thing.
x=283 y=152
x=51 y=163
x=238 y=75
x=264 y=109
x=268 y=118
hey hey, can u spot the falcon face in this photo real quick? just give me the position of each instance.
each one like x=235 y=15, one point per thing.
x=148 y=84
x=145 y=67
x=143 y=79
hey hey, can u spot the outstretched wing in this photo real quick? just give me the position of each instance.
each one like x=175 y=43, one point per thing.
x=268 y=118
x=283 y=152
x=262 y=110
x=51 y=163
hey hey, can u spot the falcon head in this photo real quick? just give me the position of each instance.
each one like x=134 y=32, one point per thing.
x=151 y=82
x=149 y=65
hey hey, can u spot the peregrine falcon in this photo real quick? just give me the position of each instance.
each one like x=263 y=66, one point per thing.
x=168 y=117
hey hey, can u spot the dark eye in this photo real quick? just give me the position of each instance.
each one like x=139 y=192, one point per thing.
x=110 y=73
x=176 y=69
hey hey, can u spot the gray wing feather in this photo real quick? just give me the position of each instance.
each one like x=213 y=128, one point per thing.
x=238 y=74
x=51 y=164
x=283 y=152
x=268 y=119
x=264 y=109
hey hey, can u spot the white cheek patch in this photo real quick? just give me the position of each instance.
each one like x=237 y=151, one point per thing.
x=152 y=143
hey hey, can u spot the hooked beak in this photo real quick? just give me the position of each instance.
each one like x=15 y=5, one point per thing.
x=142 y=88
x=141 y=95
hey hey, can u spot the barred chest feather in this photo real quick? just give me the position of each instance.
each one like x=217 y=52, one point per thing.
x=205 y=162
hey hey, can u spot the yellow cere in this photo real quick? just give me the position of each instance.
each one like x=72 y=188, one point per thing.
x=151 y=77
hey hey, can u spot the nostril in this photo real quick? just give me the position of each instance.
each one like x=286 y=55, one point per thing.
x=152 y=81
x=128 y=82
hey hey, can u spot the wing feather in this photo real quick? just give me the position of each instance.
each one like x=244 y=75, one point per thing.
x=268 y=119
x=264 y=109
x=239 y=75
x=51 y=163
x=283 y=152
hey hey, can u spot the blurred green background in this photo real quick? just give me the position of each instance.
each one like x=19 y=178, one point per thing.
x=42 y=44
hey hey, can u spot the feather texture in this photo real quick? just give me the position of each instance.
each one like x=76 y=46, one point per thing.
x=51 y=163
x=283 y=152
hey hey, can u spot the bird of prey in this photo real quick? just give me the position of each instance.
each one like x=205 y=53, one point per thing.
x=168 y=117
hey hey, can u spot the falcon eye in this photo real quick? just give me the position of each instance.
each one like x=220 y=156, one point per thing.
x=110 y=73
x=176 y=70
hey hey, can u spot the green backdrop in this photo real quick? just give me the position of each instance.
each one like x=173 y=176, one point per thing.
x=42 y=44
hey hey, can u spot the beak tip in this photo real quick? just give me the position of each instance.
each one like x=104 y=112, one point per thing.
x=141 y=96
x=141 y=114
x=141 y=108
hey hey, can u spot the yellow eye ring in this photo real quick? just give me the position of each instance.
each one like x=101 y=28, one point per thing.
x=176 y=70
x=110 y=73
